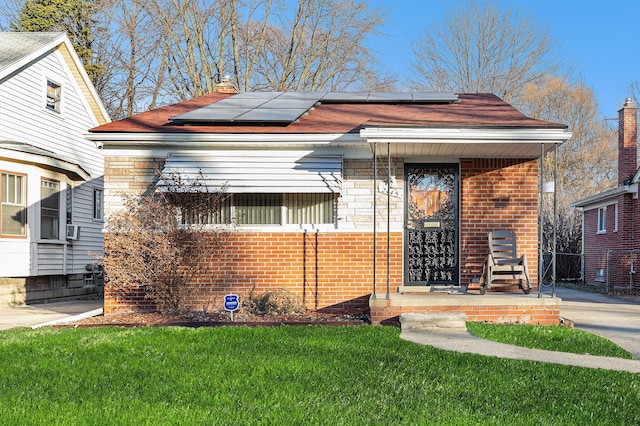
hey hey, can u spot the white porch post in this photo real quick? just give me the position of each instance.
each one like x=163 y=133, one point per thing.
x=375 y=242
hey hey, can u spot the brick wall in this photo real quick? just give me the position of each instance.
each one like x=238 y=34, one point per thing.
x=328 y=271
x=620 y=242
x=497 y=194
x=537 y=312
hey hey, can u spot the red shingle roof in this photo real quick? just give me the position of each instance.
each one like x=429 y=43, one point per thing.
x=473 y=110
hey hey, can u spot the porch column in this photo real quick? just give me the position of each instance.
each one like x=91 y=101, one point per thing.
x=375 y=242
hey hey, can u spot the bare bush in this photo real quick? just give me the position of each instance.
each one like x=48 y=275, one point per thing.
x=274 y=302
x=162 y=243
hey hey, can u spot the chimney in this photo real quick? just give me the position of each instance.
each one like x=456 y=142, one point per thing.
x=225 y=86
x=627 y=141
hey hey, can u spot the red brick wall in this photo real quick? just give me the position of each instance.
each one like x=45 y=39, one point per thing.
x=328 y=270
x=596 y=246
x=539 y=314
x=497 y=194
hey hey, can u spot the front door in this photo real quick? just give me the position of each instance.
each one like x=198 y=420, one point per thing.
x=431 y=221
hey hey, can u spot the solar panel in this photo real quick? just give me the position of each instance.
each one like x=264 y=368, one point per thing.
x=434 y=97
x=345 y=97
x=390 y=97
x=271 y=115
x=286 y=107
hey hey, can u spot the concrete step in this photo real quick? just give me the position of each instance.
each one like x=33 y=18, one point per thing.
x=449 y=322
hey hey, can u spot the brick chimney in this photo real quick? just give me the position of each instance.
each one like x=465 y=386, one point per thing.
x=225 y=86
x=627 y=141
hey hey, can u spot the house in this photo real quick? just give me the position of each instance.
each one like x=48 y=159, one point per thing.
x=610 y=236
x=51 y=176
x=310 y=173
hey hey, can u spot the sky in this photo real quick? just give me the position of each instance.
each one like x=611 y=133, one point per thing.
x=600 y=38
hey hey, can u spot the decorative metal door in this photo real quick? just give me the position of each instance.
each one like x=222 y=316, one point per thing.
x=431 y=219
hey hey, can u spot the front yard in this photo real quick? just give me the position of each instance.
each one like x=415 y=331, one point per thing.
x=355 y=375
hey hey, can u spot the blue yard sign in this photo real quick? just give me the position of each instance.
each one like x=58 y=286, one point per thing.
x=231 y=302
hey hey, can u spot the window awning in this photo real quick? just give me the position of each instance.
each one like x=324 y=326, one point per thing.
x=258 y=171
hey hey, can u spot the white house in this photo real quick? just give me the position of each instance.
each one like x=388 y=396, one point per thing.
x=51 y=177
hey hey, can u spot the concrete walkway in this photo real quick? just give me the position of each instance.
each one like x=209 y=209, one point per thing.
x=42 y=314
x=615 y=319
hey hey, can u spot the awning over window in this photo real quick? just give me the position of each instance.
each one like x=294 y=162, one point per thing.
x=258 y=171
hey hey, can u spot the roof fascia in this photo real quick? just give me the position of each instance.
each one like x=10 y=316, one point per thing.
x=605 y=198
x=86 y=81
x=224 y=139
x=464 y=135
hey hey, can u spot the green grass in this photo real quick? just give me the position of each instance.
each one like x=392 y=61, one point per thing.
x=316 y=375
x=551 y=338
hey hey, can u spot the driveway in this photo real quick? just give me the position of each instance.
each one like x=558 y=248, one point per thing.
x=613 y=318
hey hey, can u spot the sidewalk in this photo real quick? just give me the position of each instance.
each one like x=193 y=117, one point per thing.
x=612 y=318
x=32 y=315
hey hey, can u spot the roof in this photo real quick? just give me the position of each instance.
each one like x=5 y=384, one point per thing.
x=23 y=152
x=19 y=49
x=16 y=46
x=483 y=110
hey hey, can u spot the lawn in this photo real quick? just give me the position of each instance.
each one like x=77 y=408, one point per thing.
x=354 y=375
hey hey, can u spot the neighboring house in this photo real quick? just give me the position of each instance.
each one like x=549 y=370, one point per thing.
x=610 y=232
x=51 y=176
x=300 y=171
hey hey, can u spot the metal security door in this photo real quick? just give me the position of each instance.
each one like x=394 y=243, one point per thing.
x=431 y=218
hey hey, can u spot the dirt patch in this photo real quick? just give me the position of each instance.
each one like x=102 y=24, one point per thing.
x=216 y=319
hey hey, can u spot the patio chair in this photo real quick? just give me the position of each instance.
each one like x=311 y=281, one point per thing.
x=503 y=266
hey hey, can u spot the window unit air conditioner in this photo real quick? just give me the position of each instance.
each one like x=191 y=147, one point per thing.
x=72 y=232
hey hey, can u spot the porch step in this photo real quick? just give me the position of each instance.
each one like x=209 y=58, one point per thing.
x=450 y=322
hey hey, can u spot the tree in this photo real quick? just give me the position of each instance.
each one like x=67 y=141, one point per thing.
x=480 y=48
x=160 y=244
x=76 y=18
x=585 y=163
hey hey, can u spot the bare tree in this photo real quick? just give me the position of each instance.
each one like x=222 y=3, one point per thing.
x=479 y=47
x=586 y=164
x=322 y=47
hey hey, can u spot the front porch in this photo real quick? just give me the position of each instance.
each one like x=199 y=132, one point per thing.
x=494 y=307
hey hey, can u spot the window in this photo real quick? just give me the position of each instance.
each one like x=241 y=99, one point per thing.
x=98 y=199
x=272 y=209
x=615 y=219
x=50 y=210
x=602 y=219
x=54 y=92
x=13 y=210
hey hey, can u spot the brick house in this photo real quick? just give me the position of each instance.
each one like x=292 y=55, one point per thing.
x=306 y=191
x=611 y=241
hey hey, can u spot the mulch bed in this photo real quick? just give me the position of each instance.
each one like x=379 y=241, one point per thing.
x=219 y=319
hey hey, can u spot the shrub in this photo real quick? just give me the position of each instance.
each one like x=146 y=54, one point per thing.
x=275 y=302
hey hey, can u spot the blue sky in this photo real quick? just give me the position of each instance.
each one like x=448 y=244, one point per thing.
x=601 y=38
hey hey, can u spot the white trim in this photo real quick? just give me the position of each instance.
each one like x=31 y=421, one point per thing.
x=464 y=135
x=42 y=160
x=602 y=214
x=56 y=112
x=231 y=139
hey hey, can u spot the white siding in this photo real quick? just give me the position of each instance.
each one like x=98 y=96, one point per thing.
x=27 y=120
